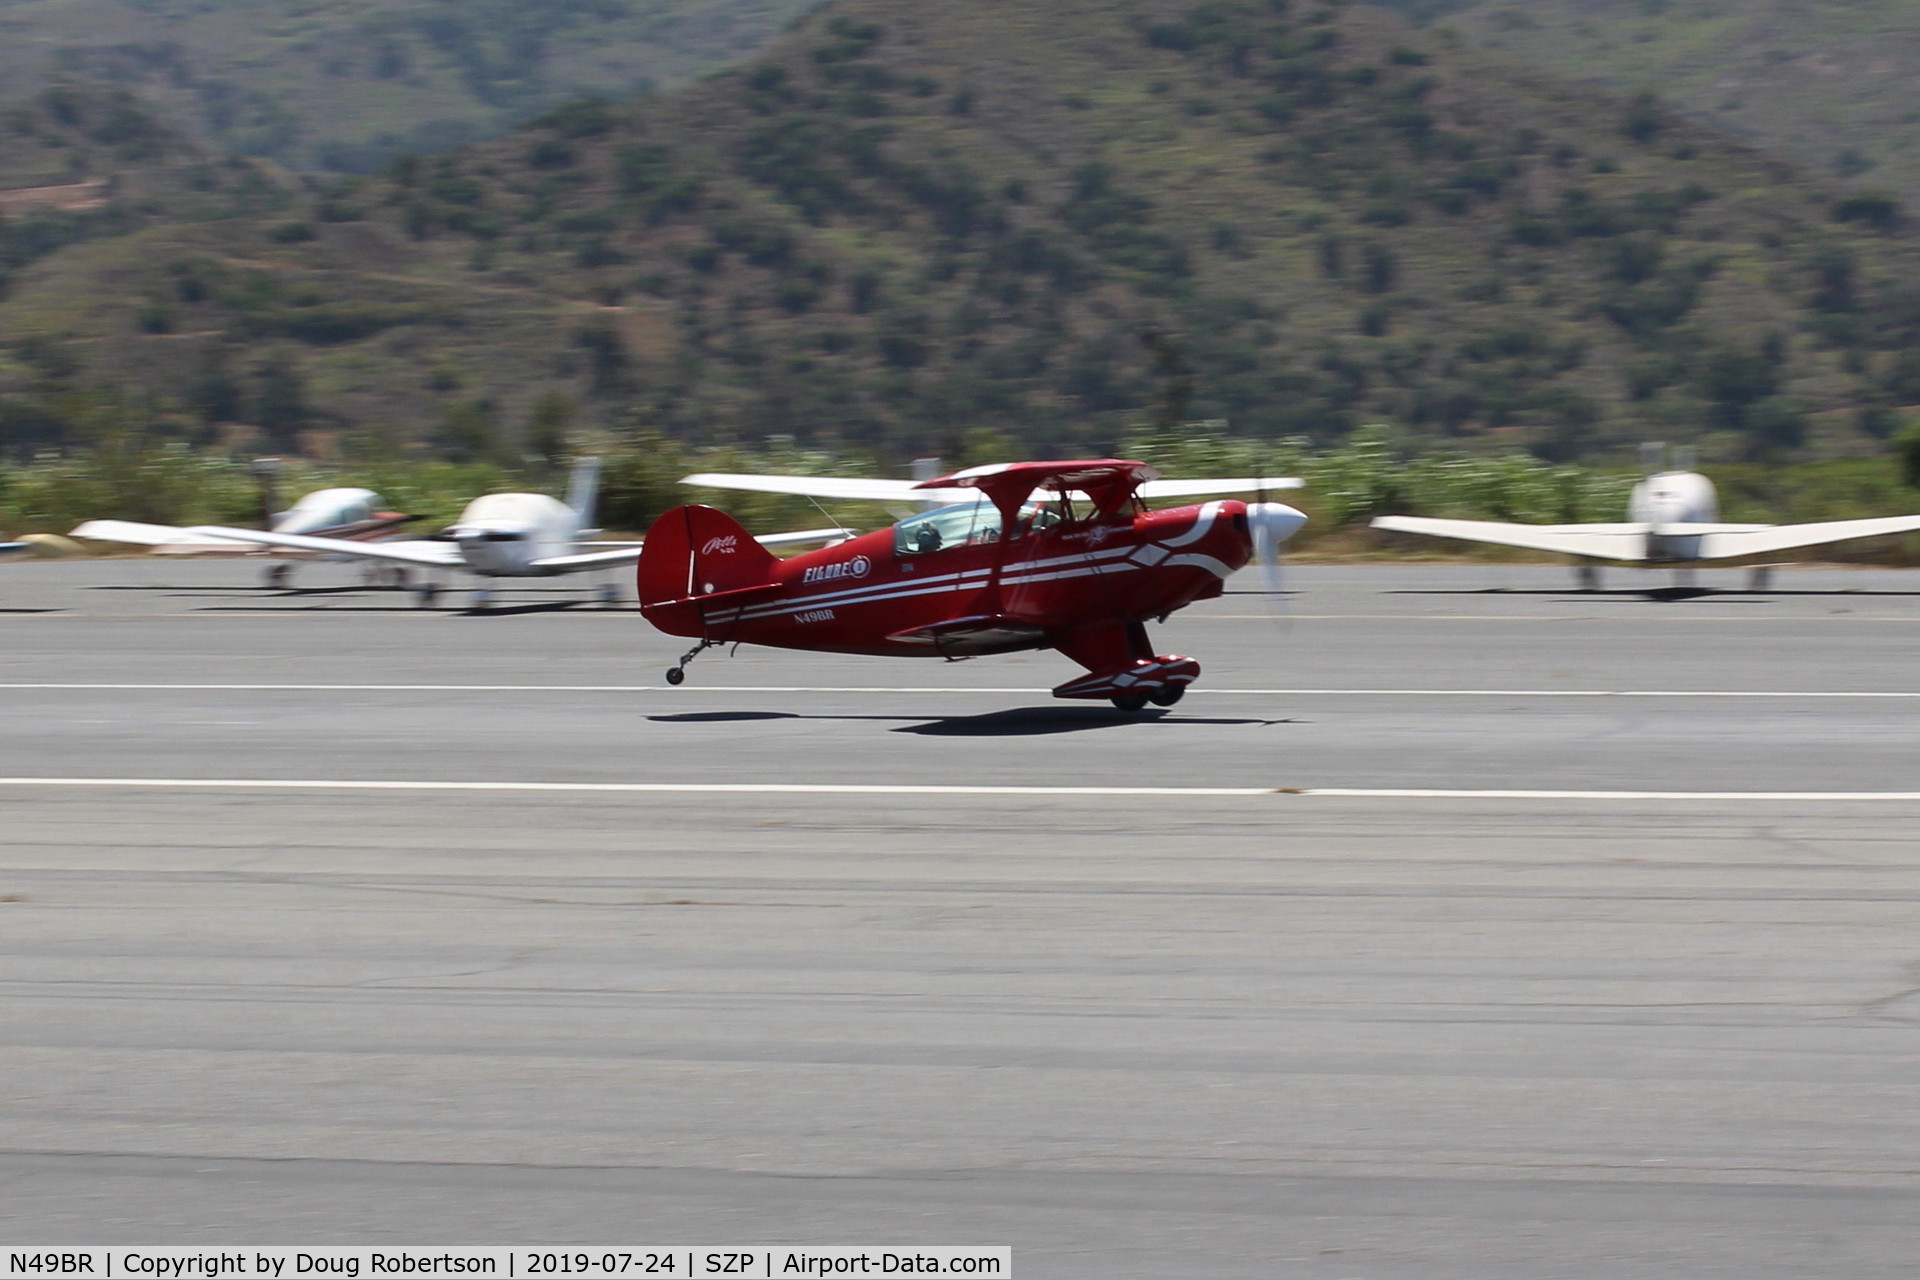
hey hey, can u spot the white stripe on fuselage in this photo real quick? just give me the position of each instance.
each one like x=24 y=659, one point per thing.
x=906 y=587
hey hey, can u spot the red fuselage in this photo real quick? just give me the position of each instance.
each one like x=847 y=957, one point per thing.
x=881 y=593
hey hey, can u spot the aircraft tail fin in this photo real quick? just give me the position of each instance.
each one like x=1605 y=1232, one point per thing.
x=583 y=491
x=696 y=551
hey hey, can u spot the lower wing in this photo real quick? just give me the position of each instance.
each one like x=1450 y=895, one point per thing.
x=1600 y=541
x=1784 y=536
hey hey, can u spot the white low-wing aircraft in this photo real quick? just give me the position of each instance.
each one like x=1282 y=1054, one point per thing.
x=1673 y=518
x=326 y=513
x=498 y=535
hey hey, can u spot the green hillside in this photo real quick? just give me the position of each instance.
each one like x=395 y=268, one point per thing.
x=348 y=84
x=902 y=226
x=1833 y=84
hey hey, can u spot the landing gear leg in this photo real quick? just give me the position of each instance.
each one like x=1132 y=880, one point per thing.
x=480 y=599
x=677 y=673
x=1587 y=576
x=279 y=576
x=608 y=595
x=1761 y=579
x=426 y=593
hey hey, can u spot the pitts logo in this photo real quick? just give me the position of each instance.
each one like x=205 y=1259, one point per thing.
x=858 y=567
x=722 y=546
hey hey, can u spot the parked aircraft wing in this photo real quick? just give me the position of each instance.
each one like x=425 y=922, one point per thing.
x=152 y=535
x=1200 y=488
x=1782 y=537
x=589 y=559
x=439 y=555
x=1601 y=541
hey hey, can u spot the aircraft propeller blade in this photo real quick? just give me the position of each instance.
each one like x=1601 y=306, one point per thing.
x=1271 y=524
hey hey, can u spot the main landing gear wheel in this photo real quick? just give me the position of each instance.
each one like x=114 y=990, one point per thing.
x=425 y=594
x=1167 y=694
x=1131 y=701
x=279 y=575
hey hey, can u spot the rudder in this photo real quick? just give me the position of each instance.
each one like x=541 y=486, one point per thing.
x=695 y=551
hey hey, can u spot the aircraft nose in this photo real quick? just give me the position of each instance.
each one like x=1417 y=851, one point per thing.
x=1273 y=522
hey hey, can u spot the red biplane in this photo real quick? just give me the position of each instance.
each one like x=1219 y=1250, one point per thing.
x=1039 y=555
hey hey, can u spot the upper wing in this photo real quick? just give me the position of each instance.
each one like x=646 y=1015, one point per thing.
x=1781 y=537
x=441 y=555
x=152 y=535
x=1198 y=488
x=862 y=489
x=1604 y=541
x=850 y=488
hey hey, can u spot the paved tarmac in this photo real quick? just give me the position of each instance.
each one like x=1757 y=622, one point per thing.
x=1645 y=1029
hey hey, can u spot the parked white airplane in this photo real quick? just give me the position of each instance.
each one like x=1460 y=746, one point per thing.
x=499 y=535
x=328 y=513
x=1672 y=519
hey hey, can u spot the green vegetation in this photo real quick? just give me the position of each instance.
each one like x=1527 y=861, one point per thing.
x=350 y=84
x=127 y=474
x=884 y=236
x=1831 y=85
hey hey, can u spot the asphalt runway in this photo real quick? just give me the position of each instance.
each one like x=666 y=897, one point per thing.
x=1211 y=992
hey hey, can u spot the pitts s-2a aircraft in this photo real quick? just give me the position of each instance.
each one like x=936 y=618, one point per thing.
x=1040 y=555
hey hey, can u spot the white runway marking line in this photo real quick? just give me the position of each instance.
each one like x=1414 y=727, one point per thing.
x=857 y=789
x=686 y=691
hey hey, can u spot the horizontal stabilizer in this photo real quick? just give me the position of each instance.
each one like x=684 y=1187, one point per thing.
x=1759 y=541
x=1599 y=541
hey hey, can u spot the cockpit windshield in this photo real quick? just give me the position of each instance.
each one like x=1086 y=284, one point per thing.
x=967 y=524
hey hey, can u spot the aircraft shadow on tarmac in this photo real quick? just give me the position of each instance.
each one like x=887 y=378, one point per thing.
x=1014 y=722
x=1723 y=595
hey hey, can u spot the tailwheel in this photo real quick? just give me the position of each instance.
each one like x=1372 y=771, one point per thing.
x=1167 y=694
x=1131 y=701
x=678 y=671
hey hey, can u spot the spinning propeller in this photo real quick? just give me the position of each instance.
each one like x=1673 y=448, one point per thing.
x=1271 y=524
